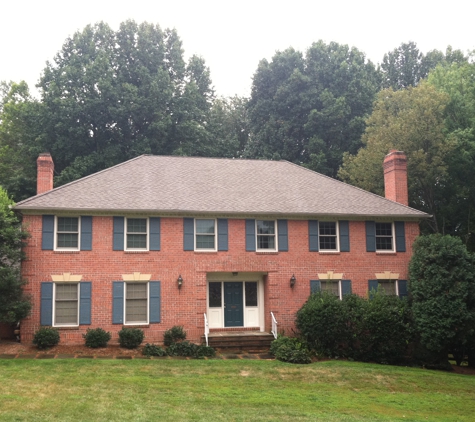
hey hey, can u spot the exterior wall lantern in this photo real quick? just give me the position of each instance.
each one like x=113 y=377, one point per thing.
x=292 y=280
x=179 y=281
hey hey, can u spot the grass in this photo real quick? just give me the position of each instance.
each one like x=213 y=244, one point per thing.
x=214 y=390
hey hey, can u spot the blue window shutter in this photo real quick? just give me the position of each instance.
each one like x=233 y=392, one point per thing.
x=86 y=233
x=46 y=307
x=372 y=287
x=282 y=234
x=154 y=239
x=222 y=234
x=400 y=236
x=154 y=301
x=118 y=302
x=370 y=236
x=345 y=287
x=47 y=240
x=315 y=286
x=250 y=235
x=118 y=242
x=85 y=303
x=402 y=288
x=313 y=245
x=344 y=236
x=188 y=234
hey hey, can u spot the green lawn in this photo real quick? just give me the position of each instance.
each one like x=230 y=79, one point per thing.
x=231 y=390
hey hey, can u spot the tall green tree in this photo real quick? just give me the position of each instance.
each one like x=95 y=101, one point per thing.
x=310 y=109
x=14 y=304
x=406 y=65
x=109 y=96
x=413 y=121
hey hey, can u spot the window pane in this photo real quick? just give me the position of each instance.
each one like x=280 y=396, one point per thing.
x=136 y=241
x=265 y=242
x=388 y=287
x=66 y=291
x=384 y=229
x=205 y=242
x=330 y=287
x=384 y=243
x=137 y=225
x=215 y=295
x=327 y=228
x=136 y=291
x=251 y=293
x=66 y=312
x=327 y=242
x=265 y=227
x=67 y=240
x=68 y=224
x=205 y=226
x=136 y=310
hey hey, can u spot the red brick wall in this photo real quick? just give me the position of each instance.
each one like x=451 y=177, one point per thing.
x=186 y=306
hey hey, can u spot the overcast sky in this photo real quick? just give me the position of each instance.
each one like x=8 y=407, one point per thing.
x=233 y=36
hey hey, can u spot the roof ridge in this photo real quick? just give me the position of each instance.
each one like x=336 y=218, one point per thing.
x=355 y=187
x=25 y=201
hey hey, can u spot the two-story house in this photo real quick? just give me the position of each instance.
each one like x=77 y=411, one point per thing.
x=161 y=241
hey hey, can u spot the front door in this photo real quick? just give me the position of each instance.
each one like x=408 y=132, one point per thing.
x=233 y=304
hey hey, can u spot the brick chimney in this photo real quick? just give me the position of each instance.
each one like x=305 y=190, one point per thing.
x=395 y=177
x=45 y=168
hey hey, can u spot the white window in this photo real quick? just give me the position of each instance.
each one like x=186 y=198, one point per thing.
x=389 y=287
x=136 y=234
x=136 y=303
x=66 y=304
x=266 y=235
x=67 y=233
x=328 y=236
x=331 y=286
x=205 y=234
x=384 y=237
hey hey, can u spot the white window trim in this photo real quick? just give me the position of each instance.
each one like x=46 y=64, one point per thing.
x=393 y=238
x=147 y=234
x=58 y=248
x=54 y=305
x=396 y=284
x=215 y=236
x=337 y=225
x=276 y=237
x=148 y=303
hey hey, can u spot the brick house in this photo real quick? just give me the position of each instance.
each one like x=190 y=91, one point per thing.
x=161 y=241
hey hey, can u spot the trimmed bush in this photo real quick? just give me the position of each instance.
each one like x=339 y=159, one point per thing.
x=96 y=337
x=188 y=349
x=290 y=349
x=152 y=350
x=46 y=337
x=174 y=335
x=131 y=338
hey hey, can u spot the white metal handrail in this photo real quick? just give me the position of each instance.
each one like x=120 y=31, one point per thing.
x=206 y=329
x=274 y=325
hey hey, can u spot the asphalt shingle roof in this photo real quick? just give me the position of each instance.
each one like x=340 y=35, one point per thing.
x=194 y=185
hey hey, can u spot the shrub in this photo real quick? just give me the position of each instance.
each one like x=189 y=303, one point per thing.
x=186 y=348
x=130 y=338
x=152 y=350
x=290 y=349
x=174 y=335
x=96 y=337
x=46 y=337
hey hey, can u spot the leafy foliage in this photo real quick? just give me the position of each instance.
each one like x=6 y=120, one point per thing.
x=46 y=337
x=153 y=350
x=442 y=286
x=131 y=338
x=309 y=110
x=96 y=337
x=14 y=304
x=290 y=349
x=173 y=335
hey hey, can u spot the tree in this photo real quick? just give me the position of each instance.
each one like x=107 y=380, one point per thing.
x=110 y=96
x=309 y=110
x=405 y=66
x=14 y=305
x=412 y=121
x=442 y=292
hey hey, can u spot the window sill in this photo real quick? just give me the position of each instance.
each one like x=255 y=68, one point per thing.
x=60 y=251
x=386 y=253
x=329 y=252
x=206 y=252
x=143 y=325
x=136 y=251
x=267 y=252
